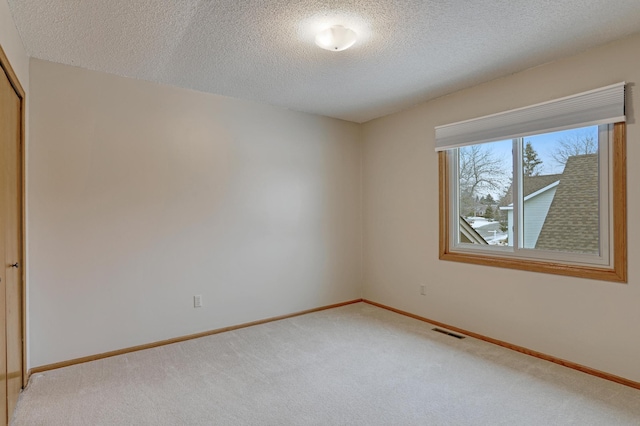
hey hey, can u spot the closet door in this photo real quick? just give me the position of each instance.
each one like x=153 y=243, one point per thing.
x=13 y=245
x=11 y=297
x=5 y=136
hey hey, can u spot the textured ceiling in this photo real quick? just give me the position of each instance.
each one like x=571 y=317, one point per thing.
x=407 y=51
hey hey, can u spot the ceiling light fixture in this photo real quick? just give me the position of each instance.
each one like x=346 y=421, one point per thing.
x=336 y=38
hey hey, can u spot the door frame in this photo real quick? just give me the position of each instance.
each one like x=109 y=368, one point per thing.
x=15 y=83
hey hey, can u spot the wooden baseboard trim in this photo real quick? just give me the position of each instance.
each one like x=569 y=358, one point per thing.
x=89 y=358
x=516 y=348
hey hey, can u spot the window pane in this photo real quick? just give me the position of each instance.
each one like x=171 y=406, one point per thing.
x=484 y=175
x=560 y=191
x=575 y=235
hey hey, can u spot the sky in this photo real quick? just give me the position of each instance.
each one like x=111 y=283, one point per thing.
x=544 y=145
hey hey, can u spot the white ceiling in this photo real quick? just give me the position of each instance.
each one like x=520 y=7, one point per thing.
x=407 y=52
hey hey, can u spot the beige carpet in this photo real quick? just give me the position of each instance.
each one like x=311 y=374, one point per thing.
x=355 y=365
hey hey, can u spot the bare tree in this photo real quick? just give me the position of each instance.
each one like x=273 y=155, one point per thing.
x=574 y=144
x=481 y=171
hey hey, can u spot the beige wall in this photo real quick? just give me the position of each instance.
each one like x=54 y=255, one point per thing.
x=143 y=196
x=589 y=322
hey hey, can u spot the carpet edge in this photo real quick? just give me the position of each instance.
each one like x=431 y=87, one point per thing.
x=88 y=358
x=521 y=349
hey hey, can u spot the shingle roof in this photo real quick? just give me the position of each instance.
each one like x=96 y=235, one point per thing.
x=572 y=223
x=530 y=185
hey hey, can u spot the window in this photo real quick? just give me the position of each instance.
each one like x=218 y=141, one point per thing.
x=540 y=188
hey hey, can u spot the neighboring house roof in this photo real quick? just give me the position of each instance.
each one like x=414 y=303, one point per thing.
x=533 y=194
x=572 y=223
x=468 y=234
x=530 y=185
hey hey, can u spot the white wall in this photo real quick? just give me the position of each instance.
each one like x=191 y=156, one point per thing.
x=590 y=322
x=535 y=210
x=143 y=196
x=535 y=213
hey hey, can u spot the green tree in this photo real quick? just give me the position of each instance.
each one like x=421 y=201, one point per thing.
x=488 y=213
x=531 y=163
x=502 y=216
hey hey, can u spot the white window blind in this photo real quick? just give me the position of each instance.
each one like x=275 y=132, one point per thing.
x=595 y=107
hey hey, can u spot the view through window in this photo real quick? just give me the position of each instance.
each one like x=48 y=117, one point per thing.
x=539 y=188
x=558 y=206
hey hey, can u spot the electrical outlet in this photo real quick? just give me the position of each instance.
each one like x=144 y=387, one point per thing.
x=423 y=290
x=197 y=301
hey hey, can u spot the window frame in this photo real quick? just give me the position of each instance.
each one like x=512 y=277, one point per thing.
x=616 y=271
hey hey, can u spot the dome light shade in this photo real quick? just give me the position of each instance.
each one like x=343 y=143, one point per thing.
x=336 y=38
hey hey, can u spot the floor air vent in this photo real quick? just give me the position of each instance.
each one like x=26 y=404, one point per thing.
x=448 y=333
